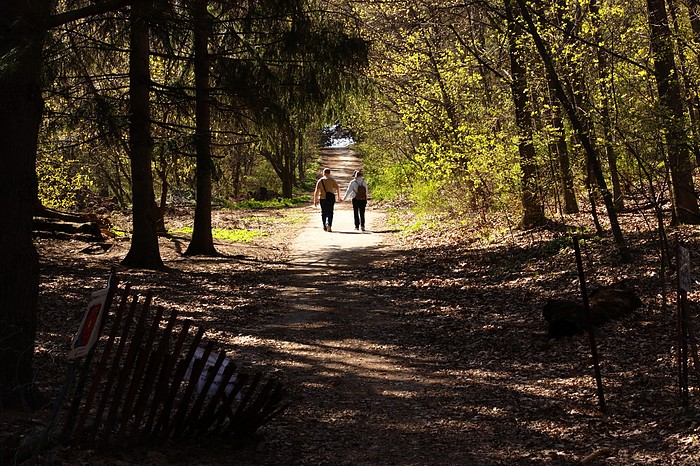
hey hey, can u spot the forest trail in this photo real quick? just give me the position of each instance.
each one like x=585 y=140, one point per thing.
x=354 y=388
x=344 y=246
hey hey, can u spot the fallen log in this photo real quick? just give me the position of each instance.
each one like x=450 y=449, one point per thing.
x=567 y=318
x=48 y=227
x=50 y=223
x=45 y=212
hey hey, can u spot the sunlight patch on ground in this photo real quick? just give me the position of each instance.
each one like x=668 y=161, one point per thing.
x=344 y=416
x=400 y=393
x=471 y=374
x=313 y=385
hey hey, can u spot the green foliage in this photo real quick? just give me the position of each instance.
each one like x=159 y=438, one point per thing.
x=261 y=175
x=388 y=177
x=440 y=129
x=61 y=182
x=235 y=236
x=277 y=203
x=288 y=217
x=411 y=224
x=562 y=244
x=434 y=123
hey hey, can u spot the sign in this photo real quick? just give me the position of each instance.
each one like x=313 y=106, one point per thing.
x=89 y=330
x=218 y=378
x=684 y=279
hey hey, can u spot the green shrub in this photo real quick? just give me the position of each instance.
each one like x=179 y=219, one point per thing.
x=60 y=182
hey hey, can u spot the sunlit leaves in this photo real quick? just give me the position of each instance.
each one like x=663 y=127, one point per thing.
x=62 y=182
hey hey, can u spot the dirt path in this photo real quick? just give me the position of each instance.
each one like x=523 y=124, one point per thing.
x=354 y=389
x=314 y=248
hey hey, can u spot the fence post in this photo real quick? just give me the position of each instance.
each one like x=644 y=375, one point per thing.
x=682 y=288
x=589 y=327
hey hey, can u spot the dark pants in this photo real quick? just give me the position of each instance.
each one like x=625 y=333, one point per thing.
x=358 y=209
x=327 y=212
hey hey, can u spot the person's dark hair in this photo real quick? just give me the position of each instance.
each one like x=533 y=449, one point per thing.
x=326 y=171
x=357 y=173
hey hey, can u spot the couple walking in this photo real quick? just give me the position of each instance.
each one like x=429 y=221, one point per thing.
x=357 y=191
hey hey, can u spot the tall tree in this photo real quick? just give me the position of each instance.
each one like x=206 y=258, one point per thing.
x=202 y=240
x=23 y=28
x=688 y=84
x=144 y=251
x=573 y=60
x=672 y=114
x=21 y=41
x=577 y=120
x=295 y=75
x=561 y=150
x=533 y=208
x=604 y=74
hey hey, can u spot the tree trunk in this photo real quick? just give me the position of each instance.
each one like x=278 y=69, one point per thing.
x=301 y=169
x=202 y=240
x=288 y=155
x=164 y=189
x=583 y=108
x=687 y=83
x=562 y=152
x=581 y=132
x=22 y=36
x=533 y=208
x=673 y=118
x=694 y=14
x=144 y=251
x=604 y=76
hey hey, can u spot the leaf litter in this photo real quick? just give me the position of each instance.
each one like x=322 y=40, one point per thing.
x=436 y=353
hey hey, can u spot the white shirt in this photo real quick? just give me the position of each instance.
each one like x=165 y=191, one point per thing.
x=352 y=188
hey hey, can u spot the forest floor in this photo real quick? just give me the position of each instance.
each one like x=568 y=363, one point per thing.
x=402 y=348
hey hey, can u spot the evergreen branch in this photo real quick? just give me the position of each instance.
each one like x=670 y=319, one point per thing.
x=85 y=12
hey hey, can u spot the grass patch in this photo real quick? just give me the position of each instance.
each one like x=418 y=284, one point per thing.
x=235 y=236
x=277 y=203
x=288 y=218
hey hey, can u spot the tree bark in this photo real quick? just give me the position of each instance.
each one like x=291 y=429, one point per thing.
x=282 y=156
x=581 y=104
x=604 y=76
x=561 y=150
x=301 y=158
x=289 y=155
x=673 y=118
x=533 y=208
x=687 y=83
x=144 y=251
x=22 y=35
x=202 y=239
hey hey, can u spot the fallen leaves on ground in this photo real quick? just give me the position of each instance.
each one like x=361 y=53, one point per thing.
x=435 y=353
